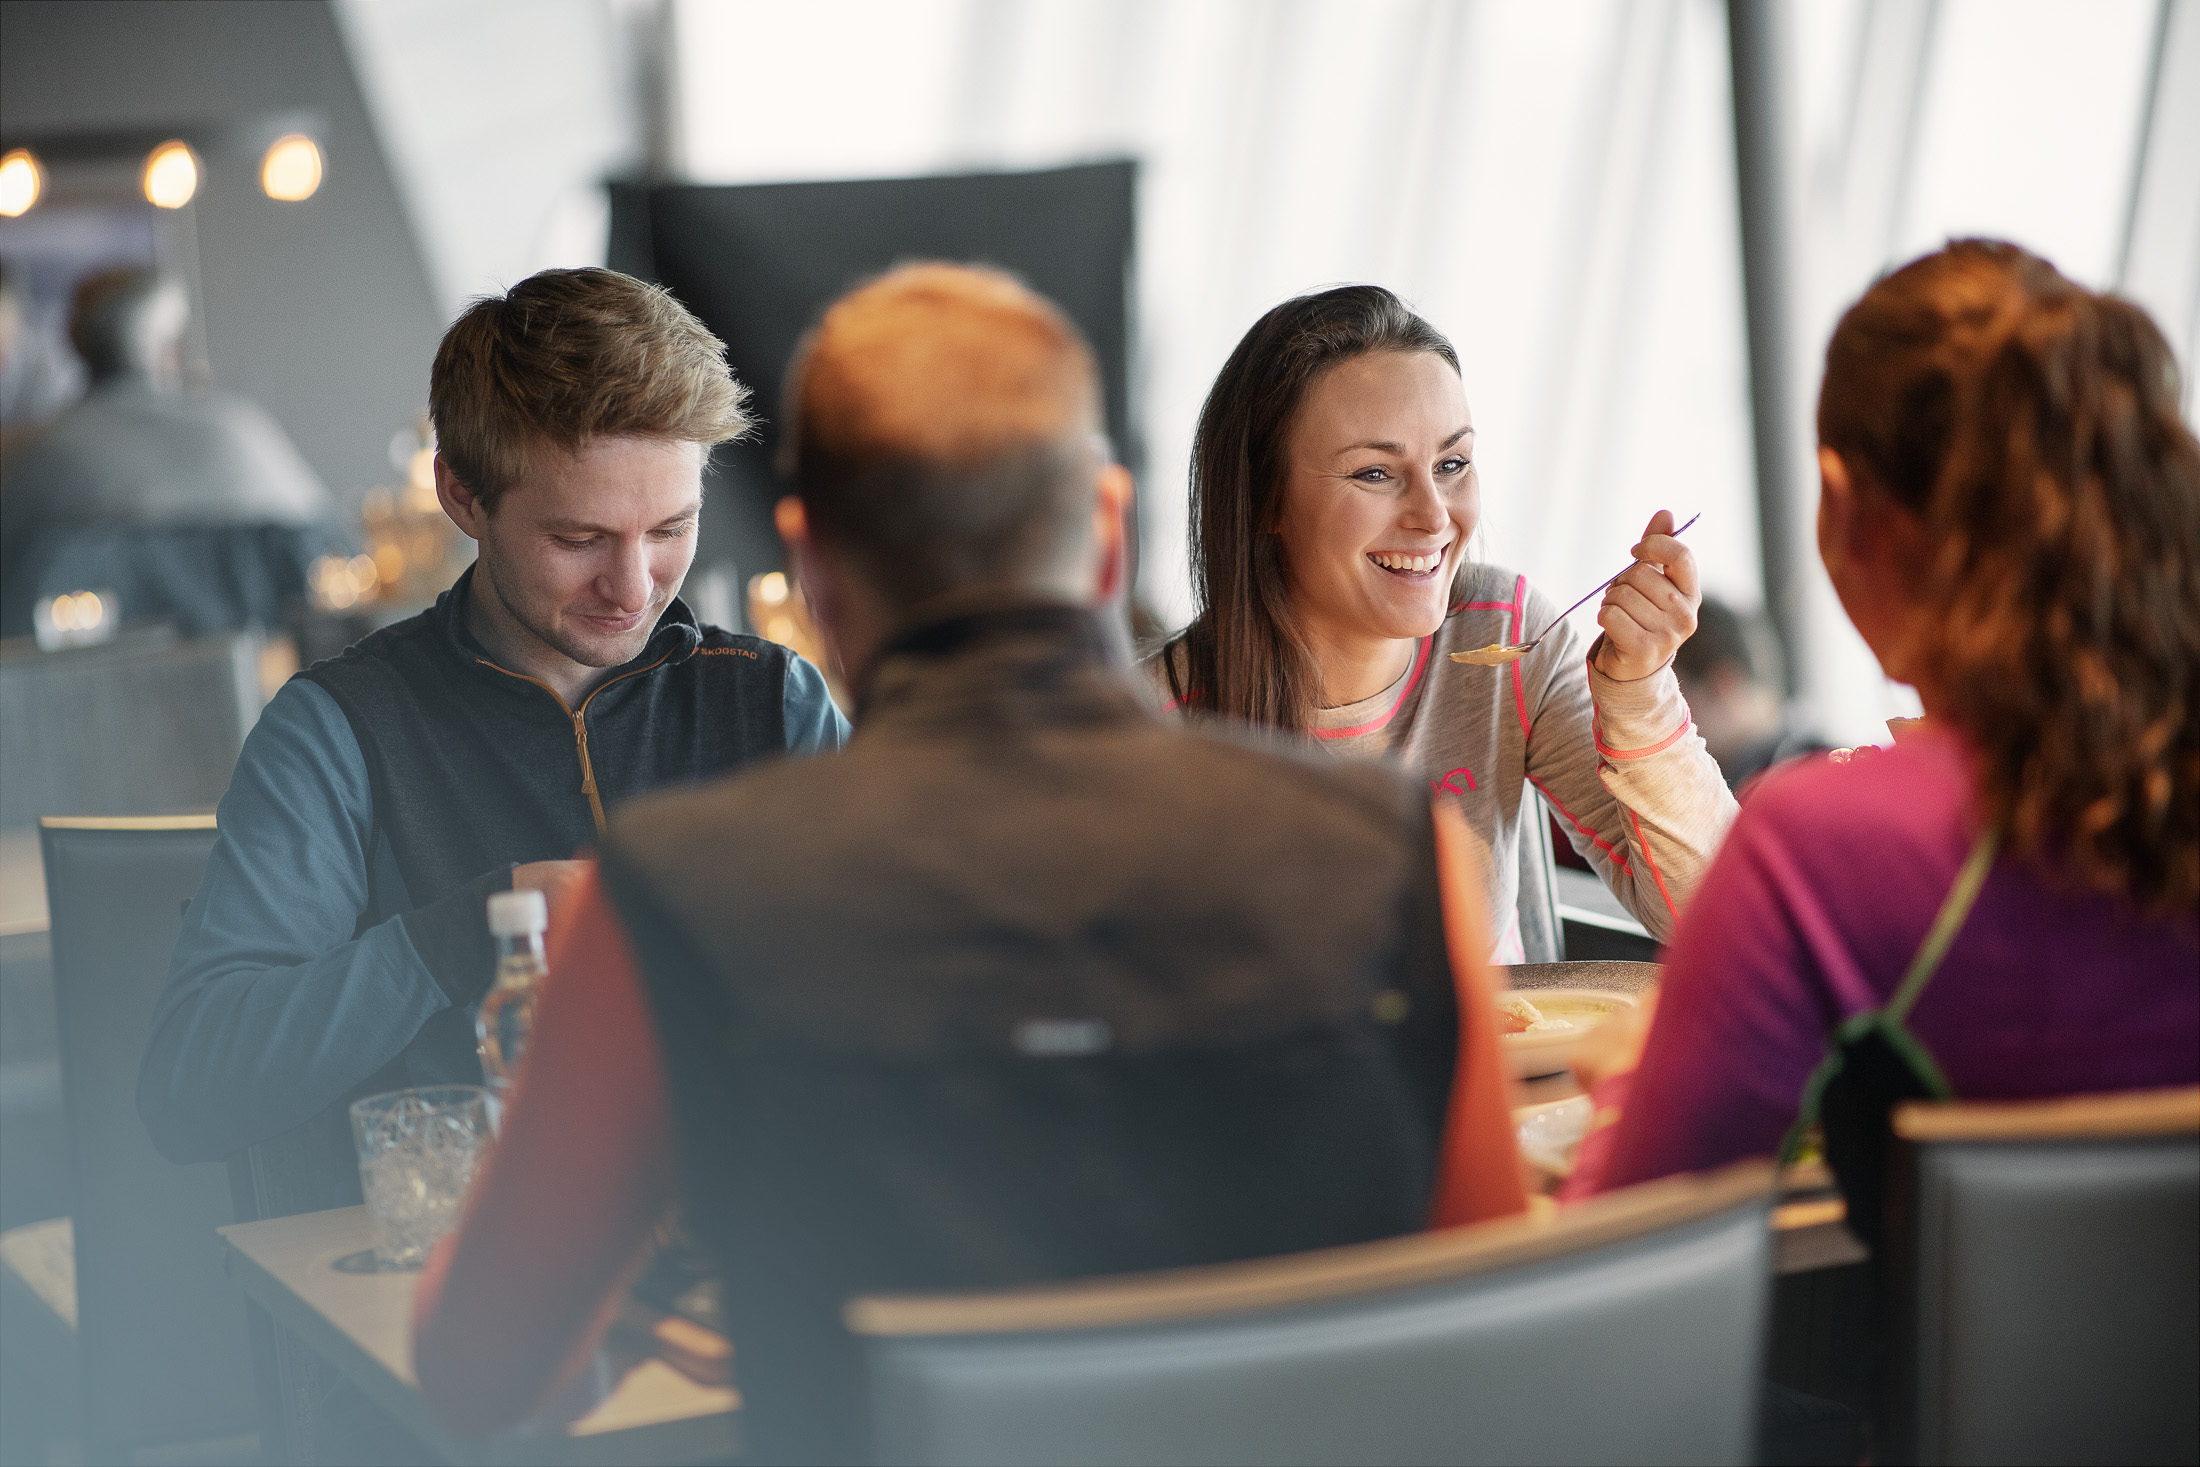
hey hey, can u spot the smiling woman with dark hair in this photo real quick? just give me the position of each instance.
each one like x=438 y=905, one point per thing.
x=1333 y=496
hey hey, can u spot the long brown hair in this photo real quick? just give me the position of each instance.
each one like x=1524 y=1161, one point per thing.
x=2033 y=425
x=1243 y=656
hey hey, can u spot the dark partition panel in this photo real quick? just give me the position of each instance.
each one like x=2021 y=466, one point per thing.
x=758 y=262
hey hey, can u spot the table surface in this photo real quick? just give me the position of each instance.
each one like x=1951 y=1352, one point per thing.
x=22 y=883
x=1611 y=977
x=1810 y=1222
x=361 y=1322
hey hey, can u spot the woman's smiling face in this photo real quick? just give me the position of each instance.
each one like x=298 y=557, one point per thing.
x=1381 y=497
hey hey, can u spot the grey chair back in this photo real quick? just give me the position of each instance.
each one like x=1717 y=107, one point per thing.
x=143 y=725
x=1542 y=935
x=2043 y=1261
x=161 y=1331
x=1628 y=1329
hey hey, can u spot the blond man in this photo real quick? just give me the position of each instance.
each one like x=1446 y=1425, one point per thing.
x=338 y=945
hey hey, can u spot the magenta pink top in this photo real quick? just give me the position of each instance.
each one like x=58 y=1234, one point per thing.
x=1812 y=912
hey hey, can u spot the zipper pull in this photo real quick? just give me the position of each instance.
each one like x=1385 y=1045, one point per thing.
x=588 y=771
x=588 y=766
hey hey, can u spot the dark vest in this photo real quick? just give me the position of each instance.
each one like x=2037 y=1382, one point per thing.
x=1027 y=984
x=474 y=770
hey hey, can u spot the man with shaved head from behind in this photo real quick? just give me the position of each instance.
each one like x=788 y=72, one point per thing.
x=1024 y=984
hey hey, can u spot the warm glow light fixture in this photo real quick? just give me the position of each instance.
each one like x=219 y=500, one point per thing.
x=75 y=619
x=171 y=175
x=21 y=182
x=338 y=583
x=292 y=168
x=79 y=611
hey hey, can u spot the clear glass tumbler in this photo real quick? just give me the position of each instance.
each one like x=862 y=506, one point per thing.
x=417 y=1153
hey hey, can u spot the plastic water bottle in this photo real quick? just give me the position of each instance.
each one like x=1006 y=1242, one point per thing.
x=517 y=920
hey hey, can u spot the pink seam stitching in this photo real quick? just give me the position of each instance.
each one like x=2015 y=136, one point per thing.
x=1512 y=935
x=1642 y=843
x=1571 y=819
x=1657 y=748
x=1420 y=662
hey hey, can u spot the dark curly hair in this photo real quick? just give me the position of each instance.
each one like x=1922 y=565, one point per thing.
x=2033 y=425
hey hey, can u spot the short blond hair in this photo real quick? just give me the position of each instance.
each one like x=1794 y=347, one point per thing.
x=942 y=423
x=567 y=356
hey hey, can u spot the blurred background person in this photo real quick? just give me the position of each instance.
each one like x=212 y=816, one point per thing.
x=36 y=381
x=1729 y=673
x=140 y=448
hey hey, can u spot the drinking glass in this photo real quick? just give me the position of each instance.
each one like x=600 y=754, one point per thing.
x=417 y=1153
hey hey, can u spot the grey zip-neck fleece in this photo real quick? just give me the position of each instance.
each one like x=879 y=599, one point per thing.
x=1619 y=763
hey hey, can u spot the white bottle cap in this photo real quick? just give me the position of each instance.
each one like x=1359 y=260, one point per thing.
x=518 y=912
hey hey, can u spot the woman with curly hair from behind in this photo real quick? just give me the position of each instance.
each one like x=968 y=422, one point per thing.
x=2004 y=906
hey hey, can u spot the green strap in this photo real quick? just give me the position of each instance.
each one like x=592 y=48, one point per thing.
x=1890 y=1019
x=1953 y=912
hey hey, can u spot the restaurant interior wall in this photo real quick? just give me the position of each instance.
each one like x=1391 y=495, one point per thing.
x=502 y=119
x=321 y=310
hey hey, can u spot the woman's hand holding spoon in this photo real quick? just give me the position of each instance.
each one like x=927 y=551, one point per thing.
x=1649 y=609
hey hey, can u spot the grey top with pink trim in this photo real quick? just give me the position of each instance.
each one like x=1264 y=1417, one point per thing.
x=1620 y=763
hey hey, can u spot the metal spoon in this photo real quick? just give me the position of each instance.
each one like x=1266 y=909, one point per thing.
x=1497 y=654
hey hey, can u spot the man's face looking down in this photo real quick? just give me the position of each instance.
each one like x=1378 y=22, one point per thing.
x=581 y=556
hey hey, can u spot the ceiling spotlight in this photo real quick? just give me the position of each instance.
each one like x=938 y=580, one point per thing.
x=292 y=168
x=21 y=182
x=171 y=175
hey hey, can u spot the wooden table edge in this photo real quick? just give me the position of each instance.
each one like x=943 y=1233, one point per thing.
x=400 y=1398
x=1813 y=1233
x=687 y=1439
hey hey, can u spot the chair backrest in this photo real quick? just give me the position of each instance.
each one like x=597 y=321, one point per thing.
x=1628 y=1329
x=160 y=1328
x=145 y=725
x=1542 y=935
x=2043 y=1261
